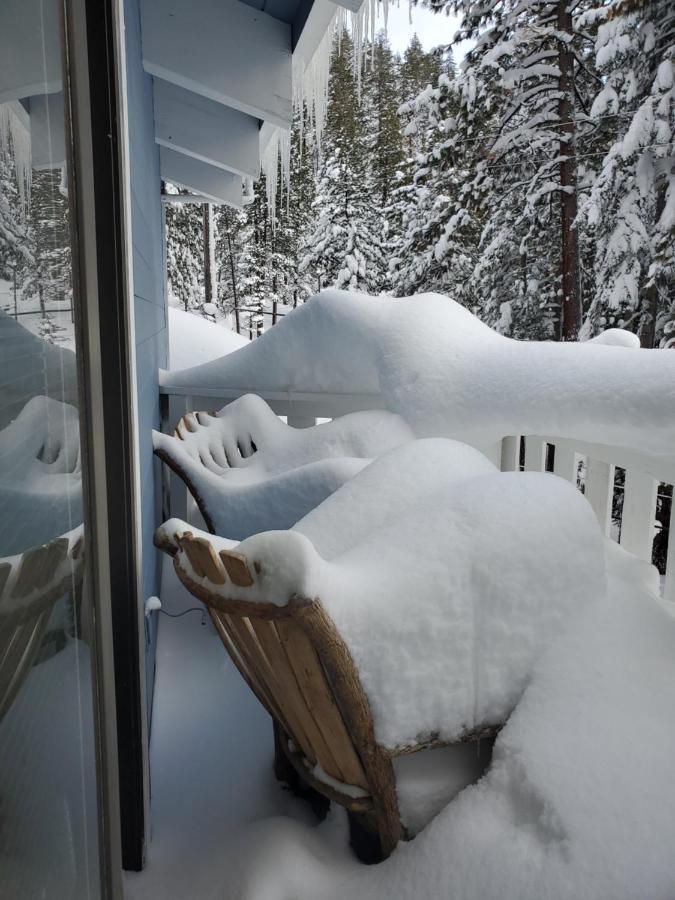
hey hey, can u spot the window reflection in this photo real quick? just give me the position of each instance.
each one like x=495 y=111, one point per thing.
x=49 y=822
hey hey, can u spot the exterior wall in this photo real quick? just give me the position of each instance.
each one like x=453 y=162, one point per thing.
x=149 y=301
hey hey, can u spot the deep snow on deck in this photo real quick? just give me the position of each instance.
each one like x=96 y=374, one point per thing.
x=211 y=755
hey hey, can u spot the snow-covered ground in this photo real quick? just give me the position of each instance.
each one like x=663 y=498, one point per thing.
x=578 y=802
x=194 y=340
x=60 y=329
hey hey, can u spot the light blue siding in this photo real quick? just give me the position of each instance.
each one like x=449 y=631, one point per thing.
x=149 y=300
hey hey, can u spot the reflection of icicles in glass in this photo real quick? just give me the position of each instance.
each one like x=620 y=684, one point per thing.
x=15 y=142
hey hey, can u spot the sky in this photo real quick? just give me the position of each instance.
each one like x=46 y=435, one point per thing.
x=431 y=28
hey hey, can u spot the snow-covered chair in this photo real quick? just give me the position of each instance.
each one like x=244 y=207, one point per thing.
x=298 y=666
x=249 y=472
x=388 y=622
x=30 y=585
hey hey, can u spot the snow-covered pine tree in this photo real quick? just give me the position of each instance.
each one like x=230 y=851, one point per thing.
x=49 y=278
x=418 y=69
x=529 y=70
x=15 y=242
x=630 y=207
x=343 y=246
x=230 y=235
x=441 y=219
x=293 y=214
x=386 y=150
x=385 y=145
x=185 y=252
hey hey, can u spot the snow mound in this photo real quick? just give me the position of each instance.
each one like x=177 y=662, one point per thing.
x=398 y=480
x=579 y=800
x=29 y=367
x=194 y=340
x=616 y=337
x=253 y=473
x=434 y=363
x=444 y=643
x=41 y=479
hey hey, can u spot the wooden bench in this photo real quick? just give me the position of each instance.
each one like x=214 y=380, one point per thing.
x=30 y=585
x=296 y=663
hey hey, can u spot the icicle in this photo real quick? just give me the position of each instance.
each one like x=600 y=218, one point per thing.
x=276 y=155
x=310 y=89
x=15 y=141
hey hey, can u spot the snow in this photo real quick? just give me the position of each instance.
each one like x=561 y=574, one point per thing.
x=194 y=340
x=291 y=471
x=386 y=489
x=410 y=591
x=48 y=758
x=616 y=337
x=426 y=782
x=41 y=480
x=22 y=377
x=434 y=363
x=579 y=800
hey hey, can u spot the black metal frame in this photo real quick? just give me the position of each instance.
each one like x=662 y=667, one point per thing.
x=93 y=72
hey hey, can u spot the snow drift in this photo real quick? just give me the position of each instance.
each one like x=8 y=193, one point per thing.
x=444 y=642
x=194 y=340
x=433 y=362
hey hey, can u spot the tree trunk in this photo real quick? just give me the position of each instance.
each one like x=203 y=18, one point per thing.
x=209 y=267
x=569 y=263
x=234 y=284
x=650 y=295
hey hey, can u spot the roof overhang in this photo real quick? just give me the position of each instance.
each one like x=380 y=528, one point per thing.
x=222 y=73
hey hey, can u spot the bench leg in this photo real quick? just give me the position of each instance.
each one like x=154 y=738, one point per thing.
x=288 y=775
x=364 y=838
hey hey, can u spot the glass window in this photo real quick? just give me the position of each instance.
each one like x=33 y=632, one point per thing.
x=48 y=791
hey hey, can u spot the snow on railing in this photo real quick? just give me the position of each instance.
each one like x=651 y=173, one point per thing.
x=592 y=467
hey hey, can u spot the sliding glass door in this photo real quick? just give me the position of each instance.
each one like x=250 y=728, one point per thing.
x=50 y=773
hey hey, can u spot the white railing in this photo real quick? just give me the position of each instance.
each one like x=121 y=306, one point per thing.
x=642 y=478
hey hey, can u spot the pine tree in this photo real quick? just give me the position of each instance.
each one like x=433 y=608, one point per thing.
x=418 y=70
x=49 y=278
x=441 y=218
x=343 y=246
x=185 y=253
x=631 y=201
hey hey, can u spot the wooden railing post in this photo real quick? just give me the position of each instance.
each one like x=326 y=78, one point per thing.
x=669 y=583
x=178 y=492
x=565 y=462
x=301 y=421
x=535 y=448
x=510 y=461
x=599 y=491
x=639 y=511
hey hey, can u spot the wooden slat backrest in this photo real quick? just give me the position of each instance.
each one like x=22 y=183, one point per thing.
x=277 y=660
x=297 y=664
x=26 y=606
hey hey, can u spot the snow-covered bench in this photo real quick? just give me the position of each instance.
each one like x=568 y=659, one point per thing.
x=372 y=630
x=248 y=471
x=30 y=585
